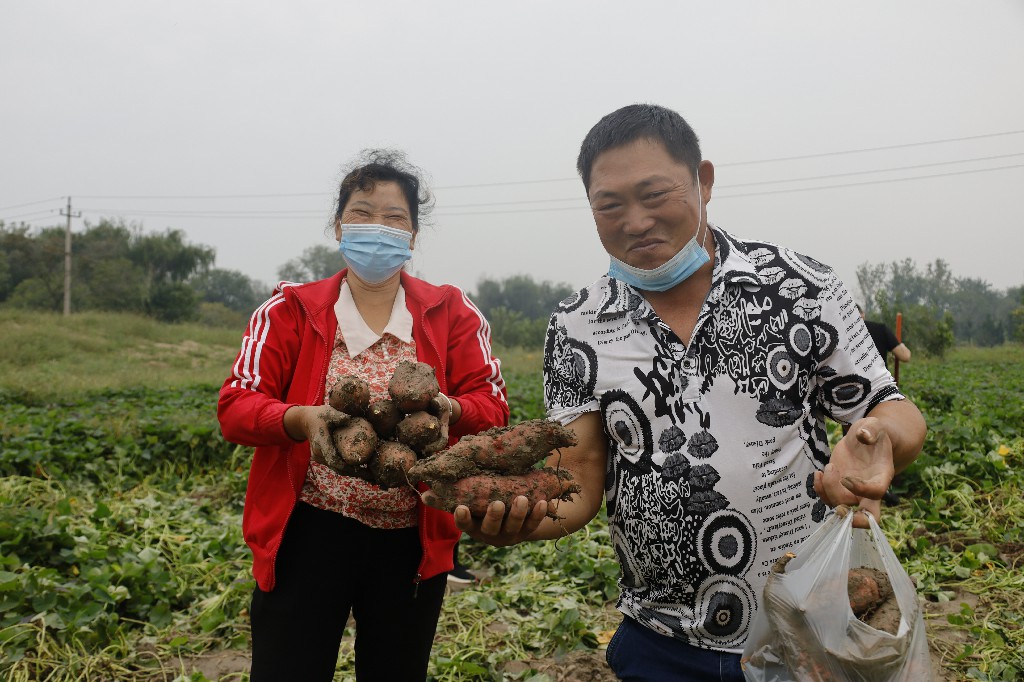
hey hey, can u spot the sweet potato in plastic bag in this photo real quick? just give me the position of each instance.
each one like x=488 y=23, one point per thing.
x=805 y=629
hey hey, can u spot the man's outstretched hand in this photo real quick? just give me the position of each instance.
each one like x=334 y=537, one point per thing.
x=860 y=470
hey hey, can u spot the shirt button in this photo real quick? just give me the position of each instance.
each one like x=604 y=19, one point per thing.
x=689 y=364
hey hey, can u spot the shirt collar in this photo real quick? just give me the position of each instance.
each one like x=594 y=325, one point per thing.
x=732 y=266
x=358 y=336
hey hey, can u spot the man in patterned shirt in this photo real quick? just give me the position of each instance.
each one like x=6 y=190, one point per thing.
x=696 y=375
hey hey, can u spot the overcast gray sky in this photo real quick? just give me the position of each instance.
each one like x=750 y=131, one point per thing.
x=136 y=108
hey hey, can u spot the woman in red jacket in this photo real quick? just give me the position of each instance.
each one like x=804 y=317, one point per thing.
x=326 y=545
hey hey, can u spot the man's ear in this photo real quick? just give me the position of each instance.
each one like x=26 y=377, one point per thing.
x=706 y=178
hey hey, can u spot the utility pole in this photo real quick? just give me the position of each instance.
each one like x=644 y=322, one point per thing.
x=67 y=258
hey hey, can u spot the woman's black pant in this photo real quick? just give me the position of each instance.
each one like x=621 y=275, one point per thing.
x=329 y=565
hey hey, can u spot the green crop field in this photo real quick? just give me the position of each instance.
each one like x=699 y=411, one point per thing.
x=121 y=555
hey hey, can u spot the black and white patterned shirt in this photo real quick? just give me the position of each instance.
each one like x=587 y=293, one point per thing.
x=713 y=445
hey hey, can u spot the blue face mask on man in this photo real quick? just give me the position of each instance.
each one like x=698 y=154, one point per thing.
x=677 y=269
x=374 y=252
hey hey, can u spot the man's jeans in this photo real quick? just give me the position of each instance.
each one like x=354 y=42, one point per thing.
x=641 y=654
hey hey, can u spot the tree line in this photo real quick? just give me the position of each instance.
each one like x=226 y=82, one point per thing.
x=118 y=267
x=938 y=308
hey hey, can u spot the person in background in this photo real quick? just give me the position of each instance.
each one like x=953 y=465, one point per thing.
x=885 y=340
x=696 y=375
x=326 y=545
x=459 y=575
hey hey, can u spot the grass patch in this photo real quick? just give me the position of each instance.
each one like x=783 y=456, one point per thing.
x=46 y=354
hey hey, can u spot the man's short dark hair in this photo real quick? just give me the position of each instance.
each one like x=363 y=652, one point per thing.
x=636 y=122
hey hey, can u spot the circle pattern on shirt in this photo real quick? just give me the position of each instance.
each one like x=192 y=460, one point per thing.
x=573 y=302
x=849 y=390
x=800 y=340
x=805 y=266
x=723 y=608
x=628 y=427
x=781 y=368
x=825 y=339
x=727 y=542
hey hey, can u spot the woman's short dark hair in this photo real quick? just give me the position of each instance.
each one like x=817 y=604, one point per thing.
x=636 y=122
x=386 y=165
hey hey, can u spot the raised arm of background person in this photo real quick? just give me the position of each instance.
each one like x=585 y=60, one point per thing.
x=586 y=461
x=901 y=352
x=883 y=443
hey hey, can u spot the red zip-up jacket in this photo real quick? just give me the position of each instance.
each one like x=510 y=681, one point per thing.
x=283 y=362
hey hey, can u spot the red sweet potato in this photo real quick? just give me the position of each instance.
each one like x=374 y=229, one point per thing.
x=355 y=442
x=477 y=492
x=413 y=386
x=509 y=451
x=446 y=466
x=515 y=449
x=383 y=414
x=350 y=395
x=418 y=430
x=393 y=460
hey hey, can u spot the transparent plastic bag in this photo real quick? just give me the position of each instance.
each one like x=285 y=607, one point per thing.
x=806 y=631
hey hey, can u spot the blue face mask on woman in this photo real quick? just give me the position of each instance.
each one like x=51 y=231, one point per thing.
x=677 y=269
x=374 y=252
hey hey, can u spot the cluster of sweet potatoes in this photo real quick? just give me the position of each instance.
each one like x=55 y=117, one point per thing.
x=401 y=440
x=498 y=465
x=381 y=439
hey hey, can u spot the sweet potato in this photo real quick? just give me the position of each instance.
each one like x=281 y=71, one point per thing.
x=355 y=442
x=350 y=395
x=383 y=414
x=514 y=450
x=418 y=430
x=413 y=386
x=477 y=492
x=446 y=466
x=393 y=460
x=867 y=588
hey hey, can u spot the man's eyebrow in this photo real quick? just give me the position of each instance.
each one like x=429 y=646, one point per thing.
x=642 y=184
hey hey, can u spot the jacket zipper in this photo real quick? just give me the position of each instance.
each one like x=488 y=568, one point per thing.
x=288 y=460
x=422 y=507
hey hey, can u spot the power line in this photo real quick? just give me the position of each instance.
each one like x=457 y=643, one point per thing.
x=208 y=213
x=777 y=191
x=30 y=203
x=875 y=149
x=877 y=170
x=873 y=182
x=285 y=215
x=534 y=182
x=22 y=215
x=202 y=196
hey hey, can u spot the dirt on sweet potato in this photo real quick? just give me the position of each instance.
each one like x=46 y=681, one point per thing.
x=350 y=395
x=510 y=450
x=418 y=430
x=413 y=386
x=477 y=492
x=392 y=462
x=355 y=443
x=383 y=414
x=515 y=449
